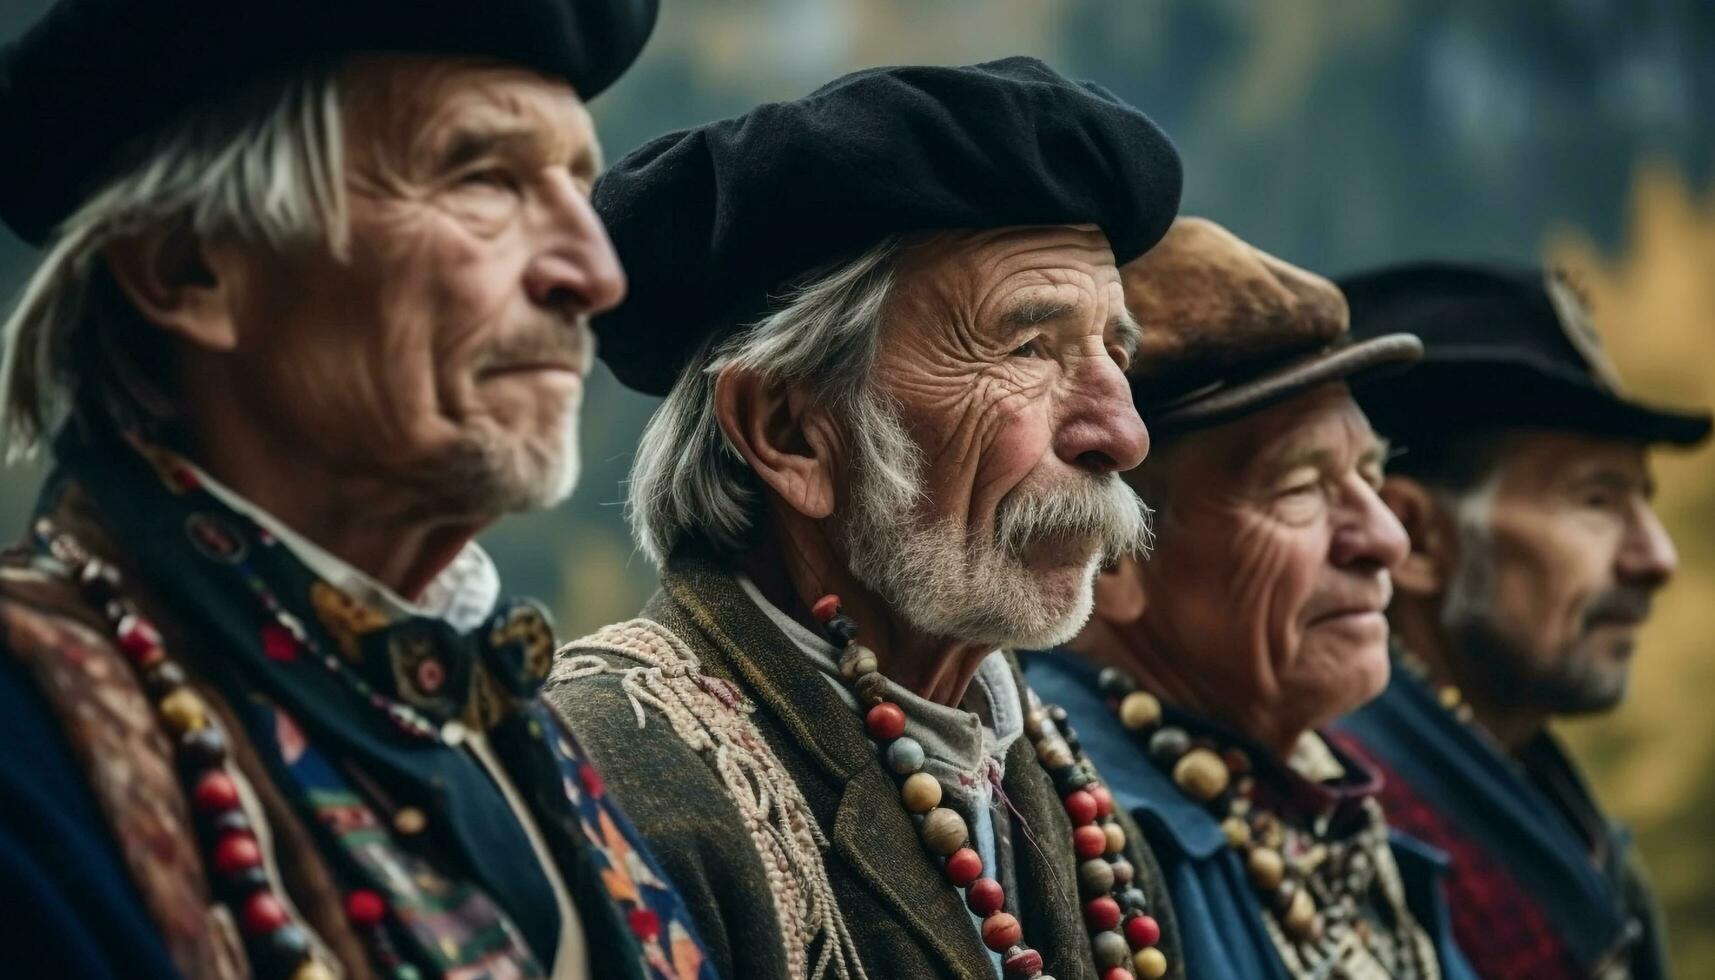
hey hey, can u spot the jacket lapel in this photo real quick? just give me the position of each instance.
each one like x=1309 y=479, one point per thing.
x=871 y=831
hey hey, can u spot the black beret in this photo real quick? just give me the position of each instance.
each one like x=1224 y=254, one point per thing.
x=93 y=77
x=1503 y=346
x=712 y=223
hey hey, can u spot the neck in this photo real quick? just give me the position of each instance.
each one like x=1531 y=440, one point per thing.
x=1171 y=675
x=796 y=566
x=1418 y=629
x=379 y=527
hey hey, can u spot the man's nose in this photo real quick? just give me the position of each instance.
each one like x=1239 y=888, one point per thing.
x=1103 y=432
x=1647 y=556
x=1371 y=535
x=576 y=272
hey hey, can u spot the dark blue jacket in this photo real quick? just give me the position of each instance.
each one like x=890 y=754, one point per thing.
x=1531 y=830
x=1220 y=919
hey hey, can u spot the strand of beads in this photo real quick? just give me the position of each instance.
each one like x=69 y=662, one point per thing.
x=275 y=945
x=1098 y=841
x=1116 y=911
x=1223 y=784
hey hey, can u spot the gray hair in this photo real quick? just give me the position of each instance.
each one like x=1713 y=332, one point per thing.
x=266 y=165
x=687 y=481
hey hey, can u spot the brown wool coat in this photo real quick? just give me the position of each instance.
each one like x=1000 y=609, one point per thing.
x=906 y=919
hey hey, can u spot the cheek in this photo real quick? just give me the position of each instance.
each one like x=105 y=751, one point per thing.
x=1274 y=573
x=1545 y=577
x=982 y=441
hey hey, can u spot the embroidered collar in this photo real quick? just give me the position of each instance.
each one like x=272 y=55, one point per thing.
x=463 y=594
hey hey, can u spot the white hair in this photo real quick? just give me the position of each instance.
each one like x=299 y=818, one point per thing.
x=263 y=166
x=687 y=481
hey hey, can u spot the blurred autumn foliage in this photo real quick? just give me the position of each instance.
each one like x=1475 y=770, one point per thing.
x=1654 y=760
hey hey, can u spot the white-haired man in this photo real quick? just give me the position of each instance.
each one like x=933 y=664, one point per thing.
x=1205 y=677
x=312 y=313
x=888 y=322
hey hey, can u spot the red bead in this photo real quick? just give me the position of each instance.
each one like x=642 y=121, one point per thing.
x=885 y=721
x=1022 y=965
x=964 y=867
x=140 y=641
x=1141 y=932
x=1102 y=913
x=215 y=792
x=1104 y=800
x=278 y=643
x=825 y=608
x=1001 y=932
x=365 y=908
x=1081 y=807
x=985 y=897
x=262 y=914
x=1118 y=973
x=235 y=852
x=1089 y=841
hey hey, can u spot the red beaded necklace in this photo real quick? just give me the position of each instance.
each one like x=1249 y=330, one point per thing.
x=1122 y=933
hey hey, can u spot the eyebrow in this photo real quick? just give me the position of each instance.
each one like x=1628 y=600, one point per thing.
x=470 y=144
x=1127 y=332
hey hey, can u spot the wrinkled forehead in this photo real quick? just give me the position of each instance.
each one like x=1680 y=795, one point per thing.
x=422 y=109
x=981 y=275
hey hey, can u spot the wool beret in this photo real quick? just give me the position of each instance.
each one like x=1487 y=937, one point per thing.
x=1504 y=345
x=1229 y=330
x=714 y=223
x=93 y=78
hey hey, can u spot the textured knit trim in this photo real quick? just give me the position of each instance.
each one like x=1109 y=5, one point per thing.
x=711 y=716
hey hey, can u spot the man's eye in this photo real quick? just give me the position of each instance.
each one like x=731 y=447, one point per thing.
x=1031 y=348
x=496 y=177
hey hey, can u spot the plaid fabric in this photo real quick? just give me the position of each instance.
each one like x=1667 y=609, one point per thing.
x=1502 y=932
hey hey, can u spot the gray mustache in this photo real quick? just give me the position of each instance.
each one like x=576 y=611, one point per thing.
x=1101 y=508
x=1628 y=602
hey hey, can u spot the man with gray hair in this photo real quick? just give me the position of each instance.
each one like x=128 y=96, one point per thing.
x=312 y=312
x=1524 y=483
x=888 y=323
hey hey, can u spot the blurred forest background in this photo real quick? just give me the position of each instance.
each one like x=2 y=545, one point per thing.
x=1338 y=135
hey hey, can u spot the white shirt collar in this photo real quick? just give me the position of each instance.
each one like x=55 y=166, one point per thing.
x=463 y=594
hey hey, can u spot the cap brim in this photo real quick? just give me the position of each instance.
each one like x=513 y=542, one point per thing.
x=1451 y=392
x=1223 y=402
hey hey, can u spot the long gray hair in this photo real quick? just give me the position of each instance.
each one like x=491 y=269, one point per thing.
x=687 y=481
x=266 y=165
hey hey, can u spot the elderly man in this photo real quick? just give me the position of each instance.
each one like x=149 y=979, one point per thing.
x=312 y=313
x=1255 y=621
x=888 y=322
x=1534 y=558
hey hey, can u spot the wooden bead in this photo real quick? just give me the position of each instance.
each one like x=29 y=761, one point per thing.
x=1150 y=963
x=921 y=792
x=140 y=641
x=311 y=970
x=1034 y=720
x=1140 y=710
x=964 y=867
x=1102 y=913
x=1116 y=973
x=1001 y=932
x=1123 y=871
x=365 y=908
x=871 y=689
x=1089 y=841
x=1104 y=800
x=1116 y=837
x=183 y=711
x=1109 y=950
x=1167 y=745
x=1115 y=683
x=985 y=897
x=1095 y=877
x=1022 y=964
x=262 y=914
x=1201 y=774
x=944 y=831
x=410 y=821
x=1237 y=832
x=214 y=792
x=905 y=756
x=1142 y=931
x=885 y=721
x=1080 y=807
x=1266 y=868
x=235 y=852
x=1300 y=914
x=857 y=661
x=1054 y=753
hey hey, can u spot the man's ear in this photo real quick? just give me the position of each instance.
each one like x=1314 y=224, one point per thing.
x=1120 y=595
x=169 y=277
x=790 y=443
x=1434 y=541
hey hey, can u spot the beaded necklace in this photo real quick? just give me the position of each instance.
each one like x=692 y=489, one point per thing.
x=1310 y=881
x=1123 y=935
x=276 y=945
